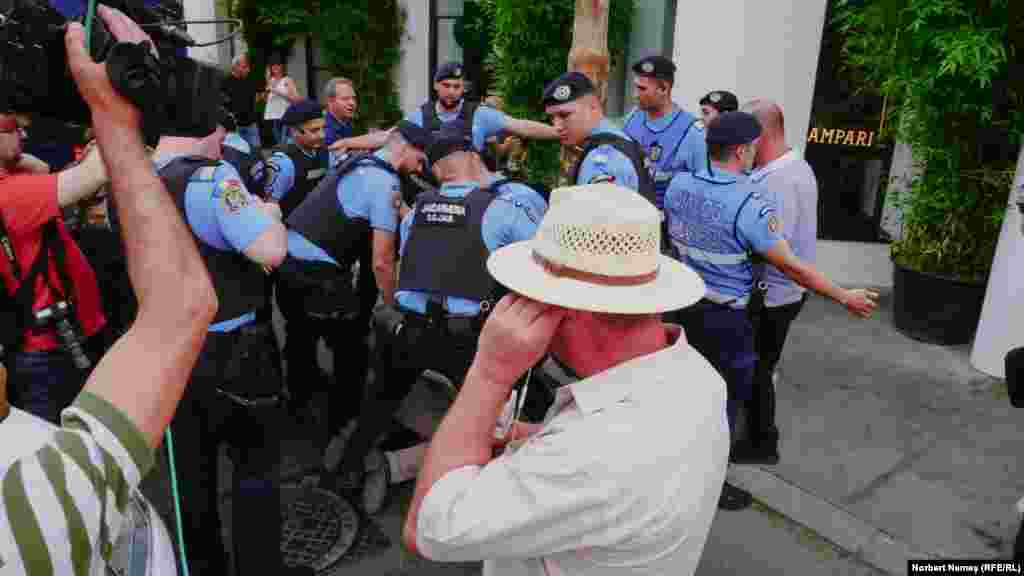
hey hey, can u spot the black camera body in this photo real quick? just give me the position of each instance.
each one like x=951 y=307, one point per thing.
x=59 y=316
x=177 y=94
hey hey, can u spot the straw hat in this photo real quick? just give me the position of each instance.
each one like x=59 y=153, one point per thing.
x=597 y=249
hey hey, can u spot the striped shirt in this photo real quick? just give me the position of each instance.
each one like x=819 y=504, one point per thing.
x=64 y=491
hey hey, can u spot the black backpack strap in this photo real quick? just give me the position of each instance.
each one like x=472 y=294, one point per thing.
x=467 y=114
x=430 y=120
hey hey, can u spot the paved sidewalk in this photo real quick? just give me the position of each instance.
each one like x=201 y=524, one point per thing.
x=891 y=448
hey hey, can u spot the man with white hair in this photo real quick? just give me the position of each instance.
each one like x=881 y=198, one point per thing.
x=595 y=487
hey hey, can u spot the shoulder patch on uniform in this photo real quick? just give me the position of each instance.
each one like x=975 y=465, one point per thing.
x=603 y=178
x=774 y=224
x=233 y=195
x=204 y=174
x=764 y=211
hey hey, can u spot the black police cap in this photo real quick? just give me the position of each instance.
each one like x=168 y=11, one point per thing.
x=449 y=71
x=655 y=66
x=566 y=88
x=721 y=100
x=302 y=112
x=450 y=139
x=414 y=135
x=733 y=129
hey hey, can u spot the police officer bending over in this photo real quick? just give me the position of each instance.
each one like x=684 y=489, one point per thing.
x=351 y=213
x=232 y=395
x=608 y=154
x=444 y=288
x=718 y=220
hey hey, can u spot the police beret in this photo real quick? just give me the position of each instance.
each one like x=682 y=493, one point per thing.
x=302 y=112
x=656 y=67
x=449 y=71
x=733 y=129
x=566 y=88
x=415 y=135
x=451 y=138
x=721 y=100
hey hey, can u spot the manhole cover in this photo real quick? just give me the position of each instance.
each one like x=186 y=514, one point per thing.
x=319 y=526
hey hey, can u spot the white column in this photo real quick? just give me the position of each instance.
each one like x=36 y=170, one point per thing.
x=1001 y=328
x=412 y=72
x=202 y=33
x=753 y=48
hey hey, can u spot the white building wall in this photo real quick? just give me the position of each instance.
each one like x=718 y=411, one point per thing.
x=202 y=33
x=413 y=81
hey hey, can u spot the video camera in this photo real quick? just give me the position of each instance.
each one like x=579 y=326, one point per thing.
x=176 y=94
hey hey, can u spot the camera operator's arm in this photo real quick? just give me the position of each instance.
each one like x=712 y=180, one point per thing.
x=31 y=165
x=83 y=180
x=145 y=373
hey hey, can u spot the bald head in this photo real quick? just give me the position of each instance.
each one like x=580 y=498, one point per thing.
x=769 y=114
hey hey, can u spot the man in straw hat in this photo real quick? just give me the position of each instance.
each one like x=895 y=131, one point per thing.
x=594 y=487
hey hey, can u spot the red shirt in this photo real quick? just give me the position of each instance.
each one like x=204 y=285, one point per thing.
x=27 y=202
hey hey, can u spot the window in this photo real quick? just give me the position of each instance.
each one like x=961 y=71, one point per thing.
x=451 y=41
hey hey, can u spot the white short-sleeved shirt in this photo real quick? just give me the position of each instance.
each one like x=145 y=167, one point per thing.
x=624 y=476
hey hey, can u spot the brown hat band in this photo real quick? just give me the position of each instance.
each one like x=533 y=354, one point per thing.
x=563 y=271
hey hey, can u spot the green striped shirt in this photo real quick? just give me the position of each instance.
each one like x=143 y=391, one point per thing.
x=64 y=491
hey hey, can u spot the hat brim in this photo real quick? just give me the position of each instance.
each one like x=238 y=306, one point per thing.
x=676 y=286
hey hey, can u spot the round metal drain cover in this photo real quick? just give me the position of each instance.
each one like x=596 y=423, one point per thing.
x=319 y=526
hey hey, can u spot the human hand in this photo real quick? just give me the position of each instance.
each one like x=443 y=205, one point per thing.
x=338 y=146
x=519 y=433
x=271 y=209
x=515 y=337
x=29 y=164
x=860 y=302
x=91 y=77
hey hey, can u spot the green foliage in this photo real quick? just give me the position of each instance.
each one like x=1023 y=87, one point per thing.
x=945 y=68
x=530 y=42
x=359 y=39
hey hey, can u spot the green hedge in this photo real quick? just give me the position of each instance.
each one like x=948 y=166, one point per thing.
x=359 y=39
x=530 y=42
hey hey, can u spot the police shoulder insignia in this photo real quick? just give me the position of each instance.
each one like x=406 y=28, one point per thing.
x=204 y=174
x=774 y=224
x=602 y=179
x=233 y=194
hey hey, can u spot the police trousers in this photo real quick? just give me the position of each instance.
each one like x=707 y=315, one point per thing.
x=446 y=346
x=771 y=326
x=205 y=419
x=725 y=337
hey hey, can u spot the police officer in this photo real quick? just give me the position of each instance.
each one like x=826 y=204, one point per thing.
x=717 y=220
x=243 y=158
x=608 y=154
x=444 y=288
x=294 y=169
x=351 y=213
x=480 y=122
x=672 y=138
x=233 y=392
x=715 y=103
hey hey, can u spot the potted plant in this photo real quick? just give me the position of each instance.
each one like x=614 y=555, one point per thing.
x=944 y=67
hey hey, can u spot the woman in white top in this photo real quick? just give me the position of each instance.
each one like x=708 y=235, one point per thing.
x=281 y=93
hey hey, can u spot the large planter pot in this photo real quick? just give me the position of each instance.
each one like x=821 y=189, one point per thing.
x=935 y=309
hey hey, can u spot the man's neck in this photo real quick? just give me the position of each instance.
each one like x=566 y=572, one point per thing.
x=647 y=339
x=772 y=150
x=733 y=167
x=178 y=146
x=661 y=110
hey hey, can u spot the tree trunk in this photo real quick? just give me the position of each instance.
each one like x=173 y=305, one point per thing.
x=589 y=55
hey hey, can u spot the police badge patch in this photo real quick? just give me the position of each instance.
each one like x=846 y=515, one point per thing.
x=562 y=93
x=233 y=194
x=655 y=152
x=647 y=67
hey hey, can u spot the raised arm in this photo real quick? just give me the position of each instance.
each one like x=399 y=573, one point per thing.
x=530 y=129
x=145 y=372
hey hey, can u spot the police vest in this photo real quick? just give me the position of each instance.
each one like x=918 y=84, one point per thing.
x=323 y=222
x=445 y=253
x=244 y=163
x=431 y=122
x=629 y=148
x=237 y=280
x=661 y=146
x=308 y=174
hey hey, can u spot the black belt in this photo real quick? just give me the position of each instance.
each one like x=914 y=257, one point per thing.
x=450 y=324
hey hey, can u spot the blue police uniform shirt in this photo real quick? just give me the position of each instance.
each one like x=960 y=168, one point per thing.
x=513 y=216
x=222 y=213
x=673 y=143
x=606 y=164
x=487 y=122
x=367 y=193
x=235 y=140
x=281 y=178
x=714 y=236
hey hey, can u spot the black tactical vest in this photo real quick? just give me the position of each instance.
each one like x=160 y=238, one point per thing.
x=631 y=149
x=431 y=122
x=322 y=221
x=445 y=253
x=237 y=280
x=308 y=175
x=244 y=164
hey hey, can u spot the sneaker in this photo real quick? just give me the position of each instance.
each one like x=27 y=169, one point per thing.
x=734 y=498
x=747 y=452
x=376 y=482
